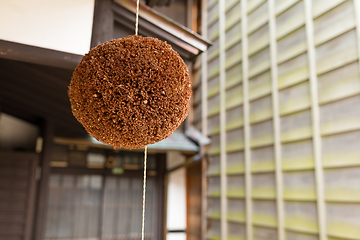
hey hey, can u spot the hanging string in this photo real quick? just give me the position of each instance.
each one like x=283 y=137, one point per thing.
x=144 y=190
x=145 y=152
x=137 y=17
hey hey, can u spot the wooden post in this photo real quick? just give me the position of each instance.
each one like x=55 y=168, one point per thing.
x=31 y=199
x=103 y=23
x=194 y=19
x=203 y=197
x=42 y=189
x=276 y=121
x=245 y=65
x=204 y=70
x=189 y=14
x=103 y=207
x=319 y=172
x=161 y=185
x=204 y=126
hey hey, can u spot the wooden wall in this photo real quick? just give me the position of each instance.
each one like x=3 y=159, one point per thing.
x=17 y=194
x=282 y=107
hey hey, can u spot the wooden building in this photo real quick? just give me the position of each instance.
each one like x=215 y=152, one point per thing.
x=278 y=93
x=55 y=181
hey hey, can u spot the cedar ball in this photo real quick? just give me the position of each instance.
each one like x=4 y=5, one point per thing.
x=130 y=92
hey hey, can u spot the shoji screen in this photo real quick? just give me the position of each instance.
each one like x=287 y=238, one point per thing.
x=283 y=114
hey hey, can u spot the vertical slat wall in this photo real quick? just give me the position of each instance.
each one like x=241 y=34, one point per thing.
x=73 y=207
x=17 y=194
x=263 y=164
x=288 y=130
x=77 y=201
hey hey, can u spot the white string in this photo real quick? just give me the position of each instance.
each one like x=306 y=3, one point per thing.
x=145 y=152
x=137 y=17
x=144 y=190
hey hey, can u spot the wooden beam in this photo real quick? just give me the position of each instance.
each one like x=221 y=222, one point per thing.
x=103 y=22
x=276 y=120
x=245 y=68
x=319 y=171
x=38 y=55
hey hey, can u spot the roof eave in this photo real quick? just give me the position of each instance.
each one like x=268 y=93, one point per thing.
x=162 y=27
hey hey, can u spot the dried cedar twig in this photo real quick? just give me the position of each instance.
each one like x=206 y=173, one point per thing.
x=130 y=92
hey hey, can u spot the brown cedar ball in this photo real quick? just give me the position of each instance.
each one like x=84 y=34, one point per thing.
x=130 y=92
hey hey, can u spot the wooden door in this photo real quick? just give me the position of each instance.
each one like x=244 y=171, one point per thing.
x=17 y=194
